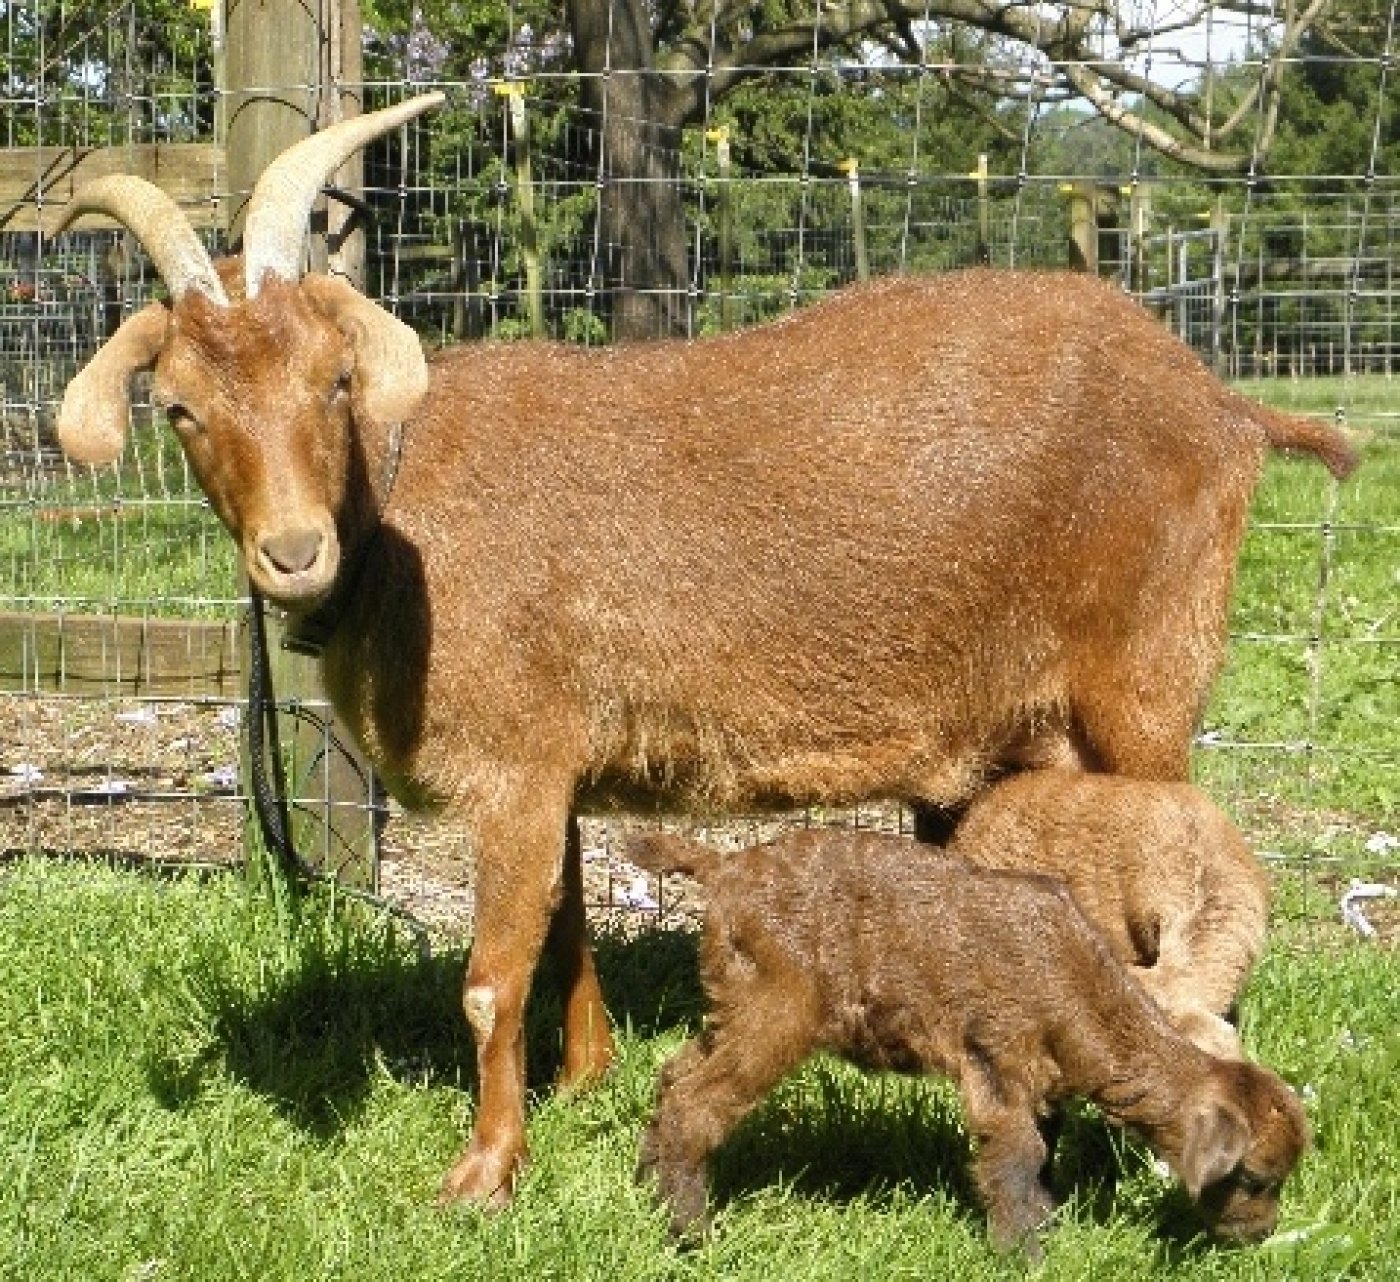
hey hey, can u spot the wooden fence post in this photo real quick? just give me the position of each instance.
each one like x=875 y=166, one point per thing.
x=514 y=94
x=984 y=211
x=1083 y=227
x=1220 y=231
x=283 y=81
x=1139 y=221
x=272 y=62
x=725 y=217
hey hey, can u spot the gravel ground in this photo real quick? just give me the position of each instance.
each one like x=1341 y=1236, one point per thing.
x=156 y=782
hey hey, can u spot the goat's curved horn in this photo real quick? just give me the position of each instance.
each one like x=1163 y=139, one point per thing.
x=274 y=229
x=159 y=224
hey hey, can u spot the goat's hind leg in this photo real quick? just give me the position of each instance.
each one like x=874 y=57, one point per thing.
x=706 y=1089
x=588 y=1042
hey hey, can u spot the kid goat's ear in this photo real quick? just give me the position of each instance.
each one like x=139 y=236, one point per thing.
x=96 y=410
x=1217 y=1138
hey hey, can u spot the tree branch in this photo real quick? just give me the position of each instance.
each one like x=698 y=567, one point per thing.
x=1068 y=38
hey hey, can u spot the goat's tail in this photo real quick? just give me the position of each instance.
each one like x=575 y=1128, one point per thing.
x=1333 y=448
x=660 y=852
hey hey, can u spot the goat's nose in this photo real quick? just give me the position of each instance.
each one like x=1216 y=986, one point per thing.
x=293 y=550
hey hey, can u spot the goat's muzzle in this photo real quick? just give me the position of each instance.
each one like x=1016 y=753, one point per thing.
x=295 y=566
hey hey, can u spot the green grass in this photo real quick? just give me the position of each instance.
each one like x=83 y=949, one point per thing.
x=137 y=537
x=1309 y=703
x=198 y=1081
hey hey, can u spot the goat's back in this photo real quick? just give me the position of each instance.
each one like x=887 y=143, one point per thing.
x=1143 y=859
x=870 y=922
x=871 y=549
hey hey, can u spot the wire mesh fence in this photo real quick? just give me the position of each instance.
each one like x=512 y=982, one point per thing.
x=121 y=650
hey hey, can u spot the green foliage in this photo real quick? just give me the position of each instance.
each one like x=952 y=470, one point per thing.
x=144 y=81
x=585 y=327
x=781 y=123
x=1338 y=114
x=466 y=43
x=1077 y=142
x=755 y=297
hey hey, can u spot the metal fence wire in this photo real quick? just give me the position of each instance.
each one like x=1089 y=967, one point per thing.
x=122 y=656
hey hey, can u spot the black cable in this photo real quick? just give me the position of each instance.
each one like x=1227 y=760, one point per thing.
x=268 y=785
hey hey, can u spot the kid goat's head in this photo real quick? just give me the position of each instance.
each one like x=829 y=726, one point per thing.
x=261 y=370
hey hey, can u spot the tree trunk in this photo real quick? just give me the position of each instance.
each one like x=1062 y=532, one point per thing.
x=642 y=234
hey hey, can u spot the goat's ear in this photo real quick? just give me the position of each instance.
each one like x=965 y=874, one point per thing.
x=1217 y=1138
x=96 y=409
x=391 y=374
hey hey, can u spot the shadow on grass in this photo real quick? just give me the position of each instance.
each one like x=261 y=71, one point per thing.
x=1110 y=1178
x=832 y=1135
x=313 y=1036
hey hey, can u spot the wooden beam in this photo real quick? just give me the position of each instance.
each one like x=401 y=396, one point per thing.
x=36 y=183
x=120 y=655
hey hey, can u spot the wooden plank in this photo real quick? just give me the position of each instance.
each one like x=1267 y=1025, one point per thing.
x=335 y=805
x=120 y=655
x=194 y=173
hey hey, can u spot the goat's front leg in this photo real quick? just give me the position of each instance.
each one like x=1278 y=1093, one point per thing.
x=588 y=1043
x=1010 y=1166
x=519 y=862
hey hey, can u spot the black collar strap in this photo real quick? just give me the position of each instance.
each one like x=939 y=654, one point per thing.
x=309 y=634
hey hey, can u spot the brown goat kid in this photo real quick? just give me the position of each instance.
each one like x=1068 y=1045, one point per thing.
x=892 y=541
x=1166 y=877
x=899 y=958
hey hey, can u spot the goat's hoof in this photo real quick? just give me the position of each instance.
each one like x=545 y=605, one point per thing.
x=1021 y=1245
x=684 y=1193
x=485 y=1180
x=681 y=1189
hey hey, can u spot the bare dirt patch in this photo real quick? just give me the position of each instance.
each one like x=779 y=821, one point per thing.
x=156 y=782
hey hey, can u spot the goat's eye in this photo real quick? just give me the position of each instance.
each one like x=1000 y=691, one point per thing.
x=1250 y=1183
x=341 y=389
x=179 y=417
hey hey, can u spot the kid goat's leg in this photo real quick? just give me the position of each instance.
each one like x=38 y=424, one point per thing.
x=519 y=851
x=709 y=1086
x=1010 y=1167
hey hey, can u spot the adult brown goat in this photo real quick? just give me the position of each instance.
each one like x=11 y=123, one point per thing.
x=919 y=530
